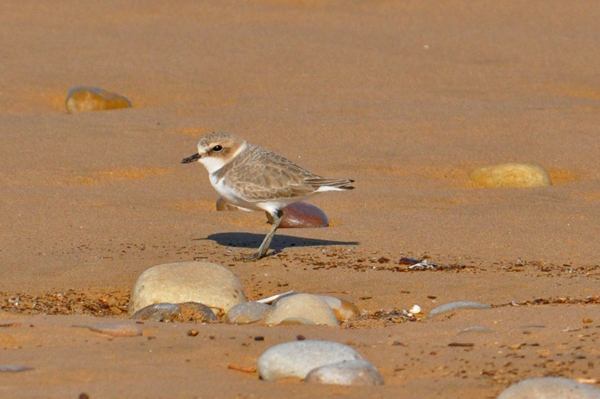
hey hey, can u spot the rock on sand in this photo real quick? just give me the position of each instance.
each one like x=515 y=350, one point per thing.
x=208 y=283
x=511 y=175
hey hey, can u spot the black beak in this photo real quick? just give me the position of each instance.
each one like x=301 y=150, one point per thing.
x=192 y=158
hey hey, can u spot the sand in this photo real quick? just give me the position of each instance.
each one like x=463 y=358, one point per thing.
x=407 y=98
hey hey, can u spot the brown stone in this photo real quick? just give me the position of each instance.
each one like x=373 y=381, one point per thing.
x=302 y=215
x=88 y=98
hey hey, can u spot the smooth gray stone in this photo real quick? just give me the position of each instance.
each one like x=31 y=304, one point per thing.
x=550 y=388
x=449 y=307
x=248 y=312
x=14 y=368
x=296 y=359
x=354 y=372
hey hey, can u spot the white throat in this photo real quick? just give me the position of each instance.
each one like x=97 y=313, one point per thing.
x=213 y=164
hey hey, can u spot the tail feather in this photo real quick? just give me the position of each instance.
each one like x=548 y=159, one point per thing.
x=323 y=184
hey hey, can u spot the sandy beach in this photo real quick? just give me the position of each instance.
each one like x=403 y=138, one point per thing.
x=406 y=98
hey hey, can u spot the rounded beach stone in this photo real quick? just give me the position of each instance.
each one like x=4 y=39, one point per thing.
x=159 y=312
x=550 y=388
x=305 y=306
x=248 y=312
x=343 y=309
x=296 y=359
x=355 y=372
x=449 y=307
x=88 y=98
x=511 y=175
x=301 y=215
x=118 y=329
x=208 y=283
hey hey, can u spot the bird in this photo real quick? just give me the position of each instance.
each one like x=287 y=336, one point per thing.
x=254 y=178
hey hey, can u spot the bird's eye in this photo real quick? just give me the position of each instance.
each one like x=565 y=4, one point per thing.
x=217 y=148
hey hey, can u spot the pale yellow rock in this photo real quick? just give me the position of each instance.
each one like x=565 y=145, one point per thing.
x=88 y=98
x=208 y=283
x=304 y=306
x=511 y=175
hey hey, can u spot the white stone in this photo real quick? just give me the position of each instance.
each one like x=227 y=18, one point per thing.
x=305 y=306
x=208 y=283
x=550 y=388
x=296 y=359
x=354 y=372
x=449 y=307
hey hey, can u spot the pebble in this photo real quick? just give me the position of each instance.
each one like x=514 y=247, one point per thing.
x=119 y=329
x=550 y=388
x=449 y=307
x=194 y=311
x=296 y=359
x=511 y=175
x=163 y=312
x=475 y=330
x=343 y=309
x=300 y=215
x=295 y=216
x=88 y=98
x=415 y=309
x=208 y=283
x=248 y=312
x=305 y=306
x=14 y=368
x=354 y=372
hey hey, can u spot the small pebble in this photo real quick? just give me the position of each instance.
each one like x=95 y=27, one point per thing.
x=248 y=312
x=163 y=312
x=305 y=306
x=354 y=372
x=84 y=395
x=192 y=333
x=194 y=311
x=14 y=368
x=88 y=98
x=550 y=388
x=511 y=175
x=208 y=283
x=448 y=307
x=416 y=309
x=301 y=215
x=119 y=329
x=296 y=359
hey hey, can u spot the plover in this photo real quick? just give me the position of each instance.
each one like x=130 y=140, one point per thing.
x=255 y=178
